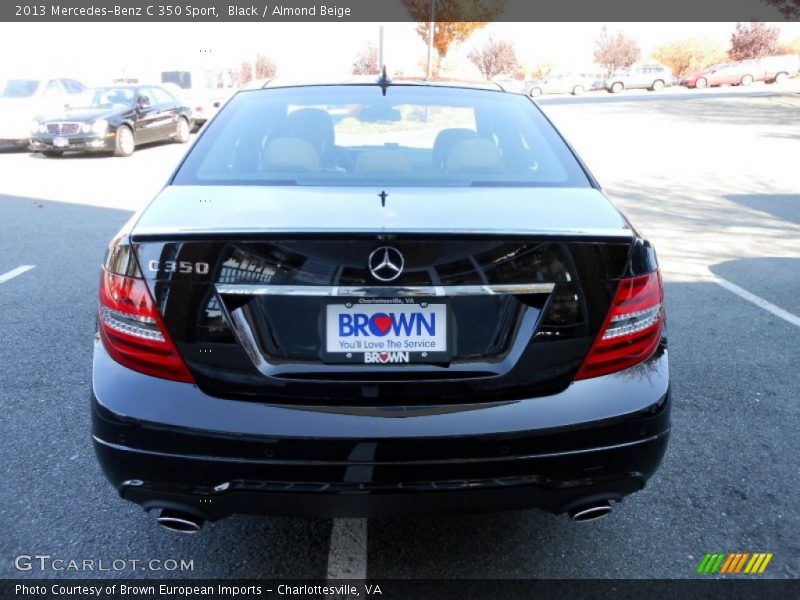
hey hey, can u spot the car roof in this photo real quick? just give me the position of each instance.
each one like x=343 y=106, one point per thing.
x=496 y=86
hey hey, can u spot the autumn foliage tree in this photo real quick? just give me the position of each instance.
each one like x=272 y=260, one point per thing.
x=366 y=62
x=688 y=56
x=264 y=69
x=788 y=8
x=615 y=51
x=792 y=47
x=541 y=69
x=753 y=40
x=494 y=57
x=455 y=21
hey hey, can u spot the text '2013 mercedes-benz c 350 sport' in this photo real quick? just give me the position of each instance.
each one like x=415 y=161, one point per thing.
x=370 y=299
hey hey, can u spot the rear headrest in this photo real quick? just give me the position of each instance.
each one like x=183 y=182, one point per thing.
x=290 y=154
x=383 y=161
x=478 y=156
x=313 y=125
x=446 y=140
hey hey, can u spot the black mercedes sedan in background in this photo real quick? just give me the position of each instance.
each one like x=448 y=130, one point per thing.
x=370 y=299
x=112 y=119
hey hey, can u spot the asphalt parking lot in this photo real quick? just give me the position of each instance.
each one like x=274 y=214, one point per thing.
x=712 y=178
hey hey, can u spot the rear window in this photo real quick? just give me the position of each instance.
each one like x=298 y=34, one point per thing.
x=355 y=135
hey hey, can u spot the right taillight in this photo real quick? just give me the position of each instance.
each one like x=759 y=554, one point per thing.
x=632 y=329
x=130 y=325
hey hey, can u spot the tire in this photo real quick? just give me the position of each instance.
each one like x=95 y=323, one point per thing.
x=577 y=90
x=534 y=92
x=657 y=85
x=182 y=131
x=781 y=77
x=746 y=80
x=616 y=87
x=125 y=143
x=52 y=153
x=701 y=83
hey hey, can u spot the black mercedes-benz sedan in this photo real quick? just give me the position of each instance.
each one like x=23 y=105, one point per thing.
x=113 y=119
x=369 y=299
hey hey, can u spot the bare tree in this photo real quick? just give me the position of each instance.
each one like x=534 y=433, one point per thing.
x=753 y=40
x=494 y=58
x=456 y=20
x=366 y=62
x=615 y=52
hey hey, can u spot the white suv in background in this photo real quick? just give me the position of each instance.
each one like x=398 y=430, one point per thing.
x=645 y=77
x=204 y=90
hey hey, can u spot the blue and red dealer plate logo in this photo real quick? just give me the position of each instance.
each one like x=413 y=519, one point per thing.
x=385 y=332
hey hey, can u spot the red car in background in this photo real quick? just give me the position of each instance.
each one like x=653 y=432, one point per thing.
x=736 y=73
x=772 y=69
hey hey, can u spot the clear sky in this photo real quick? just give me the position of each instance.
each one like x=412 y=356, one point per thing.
x=96 y=52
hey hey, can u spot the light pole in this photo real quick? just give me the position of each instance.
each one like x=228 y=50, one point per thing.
x=431 y=31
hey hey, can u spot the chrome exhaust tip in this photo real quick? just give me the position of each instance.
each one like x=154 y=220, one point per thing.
x=590 y=512
x=182 y=522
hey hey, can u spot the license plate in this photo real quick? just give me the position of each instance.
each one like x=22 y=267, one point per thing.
x=60 y=142
x=386 y=331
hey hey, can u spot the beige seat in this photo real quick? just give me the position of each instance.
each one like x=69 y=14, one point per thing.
x=446 y=140
x=385 y=161
x=290 y=155
x=475 y=156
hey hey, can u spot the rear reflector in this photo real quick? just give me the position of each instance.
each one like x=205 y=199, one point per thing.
x=632 y=330
x=132 y=331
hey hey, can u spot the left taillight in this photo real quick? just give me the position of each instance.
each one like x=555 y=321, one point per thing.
x=632 y=330
x=130 y=326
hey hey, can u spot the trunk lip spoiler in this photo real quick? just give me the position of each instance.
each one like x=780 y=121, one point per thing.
x=143 y=235
x=408 y=291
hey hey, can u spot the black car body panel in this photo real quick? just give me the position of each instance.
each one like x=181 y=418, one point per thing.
x=244 y=277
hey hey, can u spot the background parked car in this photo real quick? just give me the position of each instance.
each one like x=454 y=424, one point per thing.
x=776 y=69
x=204 y=90
x=562 y=83
x=116 y=118
x=21 y=100
x=510 y=84
x=772 y=69
x=715 y=75
x=645 y=77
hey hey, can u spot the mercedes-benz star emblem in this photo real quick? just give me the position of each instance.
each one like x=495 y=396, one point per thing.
x=385 y=263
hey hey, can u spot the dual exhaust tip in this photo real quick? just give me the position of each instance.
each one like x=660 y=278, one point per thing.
x=179 y=521
x=183 y=522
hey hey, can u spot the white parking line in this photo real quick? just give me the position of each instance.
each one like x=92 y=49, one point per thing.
x=14 y=272
x=760 y=302
x=347 y=557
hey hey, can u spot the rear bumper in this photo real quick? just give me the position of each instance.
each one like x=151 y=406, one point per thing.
x=168 y=445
